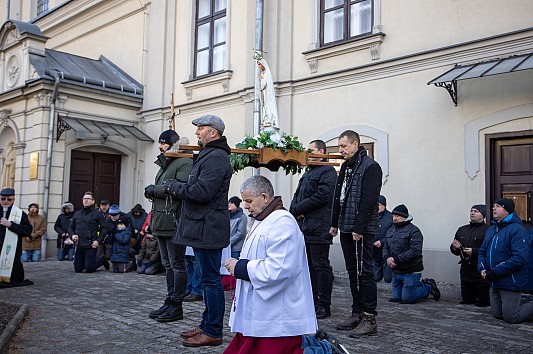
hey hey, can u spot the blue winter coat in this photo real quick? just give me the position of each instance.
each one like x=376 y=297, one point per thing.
x=120 y=241
x=505 y=251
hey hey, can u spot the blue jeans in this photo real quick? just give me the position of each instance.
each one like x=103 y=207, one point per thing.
x=409 y=288
x=194 y=280
x=62 y=252
x=213 y=316
x=508 y=305
x=33 y=255
x=85 y=259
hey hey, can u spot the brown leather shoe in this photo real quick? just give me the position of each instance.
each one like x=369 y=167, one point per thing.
x=201 y=340
x=191 y=333
x=192 y=297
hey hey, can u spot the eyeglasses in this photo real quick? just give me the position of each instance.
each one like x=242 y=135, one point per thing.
x=87 y=198
x=6 y=198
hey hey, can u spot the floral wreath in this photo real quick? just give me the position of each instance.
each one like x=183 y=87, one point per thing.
x=266 y=139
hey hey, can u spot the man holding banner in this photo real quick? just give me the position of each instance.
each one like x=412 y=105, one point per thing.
x=14 y=225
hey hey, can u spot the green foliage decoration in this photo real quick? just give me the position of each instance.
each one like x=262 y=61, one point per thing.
x=266 y=139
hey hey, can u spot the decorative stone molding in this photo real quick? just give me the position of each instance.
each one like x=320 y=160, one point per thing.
x=372 y=42
x=12 y=70
x=61 y=99
x=43 y=98
x=4 y=117
x=221 y=78
x=12 y=37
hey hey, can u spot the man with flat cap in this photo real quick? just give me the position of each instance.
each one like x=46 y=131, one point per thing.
x=165 y=215
x=466 y=243
x=205 y=223
x=503 y=261
x=14 y=226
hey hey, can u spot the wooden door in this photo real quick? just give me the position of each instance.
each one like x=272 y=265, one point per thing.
x=94 y=172
x=510 y=174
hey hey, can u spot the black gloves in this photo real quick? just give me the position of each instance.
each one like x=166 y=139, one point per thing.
x=491 y=276
x=169 y=184
x=149 y=191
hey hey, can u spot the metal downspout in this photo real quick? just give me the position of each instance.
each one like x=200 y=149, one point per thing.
x=258 y=48
x=46 y=201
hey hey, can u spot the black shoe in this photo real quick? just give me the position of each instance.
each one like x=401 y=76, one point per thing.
x=173 y=313
x=434 y=290
x=393 y=299
x=323 y=312
x=350 y=322
x=192 y=297
x=106 y=264
x=156 y=313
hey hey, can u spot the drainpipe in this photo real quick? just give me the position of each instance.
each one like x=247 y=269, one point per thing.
x=49 y=153
x=7 y=10
x=258 y=48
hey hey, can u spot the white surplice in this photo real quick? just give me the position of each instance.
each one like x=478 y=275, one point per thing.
x=278 y=300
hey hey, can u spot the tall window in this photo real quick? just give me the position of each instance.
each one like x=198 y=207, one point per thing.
x=210 y=48
x=342 y=20
x=42 y=6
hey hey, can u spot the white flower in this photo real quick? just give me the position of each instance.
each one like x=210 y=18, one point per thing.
x=260 y=145
x=275 y=138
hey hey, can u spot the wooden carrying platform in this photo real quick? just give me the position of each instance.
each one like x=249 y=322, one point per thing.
x=268 y=157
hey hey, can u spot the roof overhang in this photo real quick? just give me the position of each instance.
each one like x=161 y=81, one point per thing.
x=103 y=129
x=449 y=79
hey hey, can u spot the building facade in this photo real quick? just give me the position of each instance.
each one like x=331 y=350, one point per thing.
x=368 y=65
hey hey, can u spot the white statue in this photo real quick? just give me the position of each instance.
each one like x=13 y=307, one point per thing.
x=8 y=166
x=269 y=109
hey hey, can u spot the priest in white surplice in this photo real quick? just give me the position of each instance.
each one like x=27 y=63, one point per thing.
x=273 y=304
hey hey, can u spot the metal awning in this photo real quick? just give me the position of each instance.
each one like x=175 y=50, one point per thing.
x=449 y=79
x=104 y=129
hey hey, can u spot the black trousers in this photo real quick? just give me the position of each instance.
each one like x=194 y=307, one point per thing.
x=321 y=273
x=475 y=293
x=358 y=260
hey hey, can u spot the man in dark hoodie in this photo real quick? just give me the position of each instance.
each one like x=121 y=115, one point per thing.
x=204 y=223
x=503 y=261
x=381 y=269
x=403 y=253
x=466 y=243
x=166 y=211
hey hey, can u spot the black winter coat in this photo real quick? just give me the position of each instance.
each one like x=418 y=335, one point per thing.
x=311 y=204
x=470 y=236
x=404 y=243
x=204 y=220
x=385 y=223
x=61 y=226
x=358 y=212
x=89 y=224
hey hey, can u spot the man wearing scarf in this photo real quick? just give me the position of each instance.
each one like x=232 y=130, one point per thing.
x=273 y=304
x=14 y=226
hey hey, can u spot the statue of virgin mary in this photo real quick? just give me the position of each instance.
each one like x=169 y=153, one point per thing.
x=269 y=110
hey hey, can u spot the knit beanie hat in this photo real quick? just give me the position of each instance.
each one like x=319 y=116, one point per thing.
x=235 y=200
x=401 y=210
x=137 y=207
x=169 y=137
x=382 y=200
x=124 y=221
x=114 y=210
x=507 y=204
x=481 y=208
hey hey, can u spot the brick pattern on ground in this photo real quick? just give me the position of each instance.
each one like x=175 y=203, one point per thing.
x=107 y=312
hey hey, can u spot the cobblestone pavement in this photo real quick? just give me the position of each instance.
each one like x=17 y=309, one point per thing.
x=107 y=313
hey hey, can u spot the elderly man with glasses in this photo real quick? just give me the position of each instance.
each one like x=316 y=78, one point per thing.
x=14 y=226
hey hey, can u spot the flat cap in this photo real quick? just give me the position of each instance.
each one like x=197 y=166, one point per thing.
x=210 y=121
x=7 y=192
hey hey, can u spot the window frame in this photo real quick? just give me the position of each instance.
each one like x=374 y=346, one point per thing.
x=43 y=6
x=346 y=24
x=210 y=19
